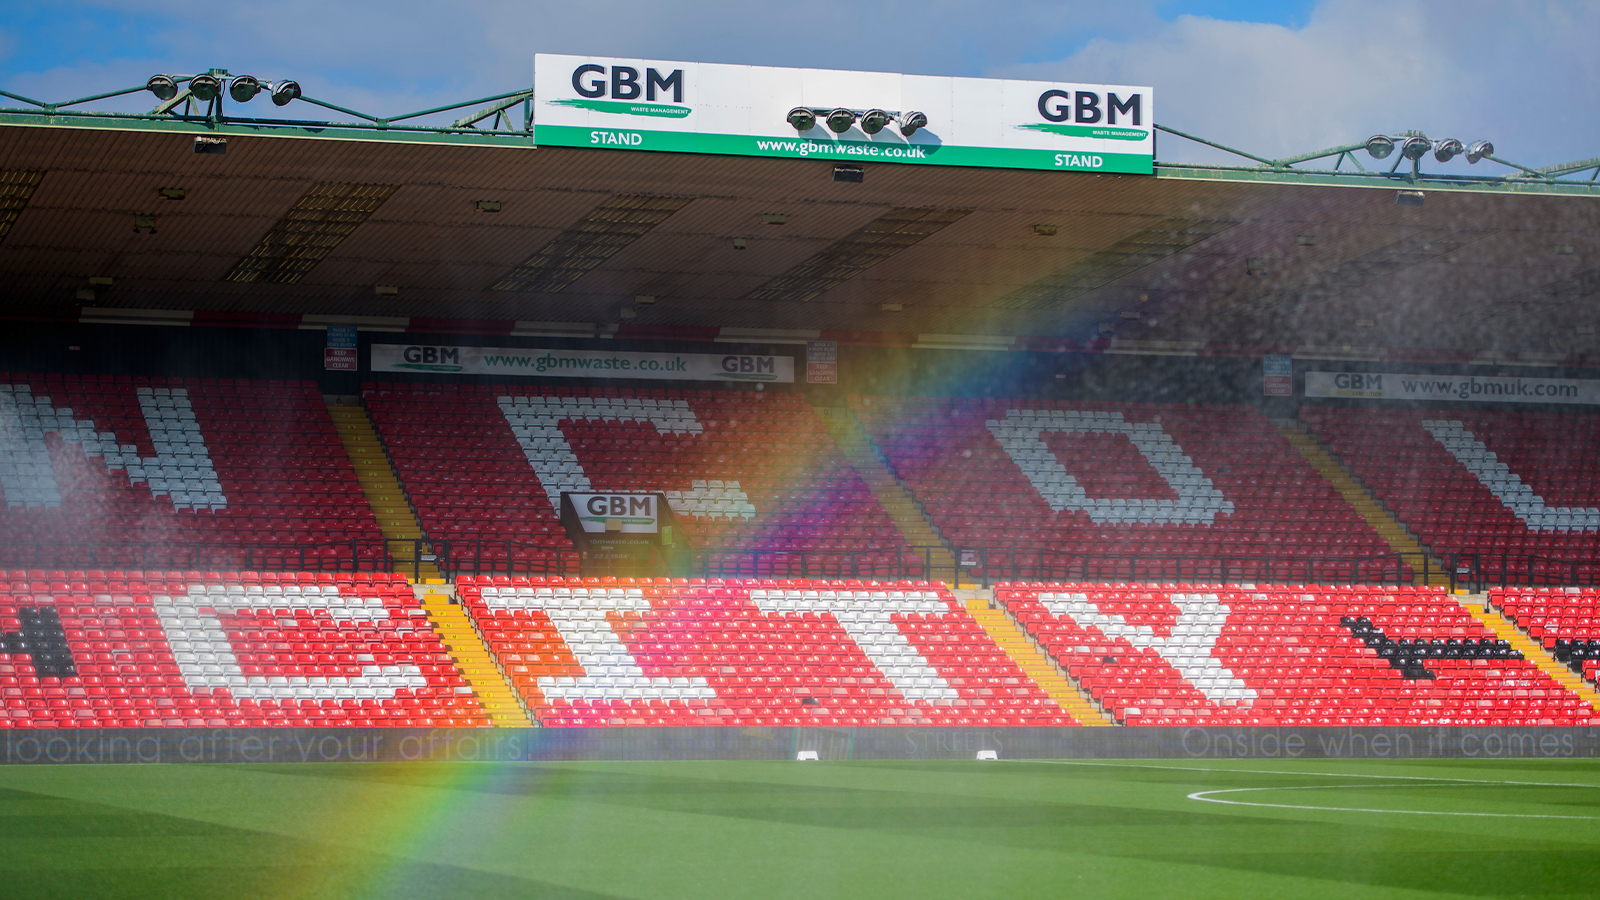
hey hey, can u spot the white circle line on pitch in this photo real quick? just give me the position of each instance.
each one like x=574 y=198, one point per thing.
x=1226 y=770
x=1206 y=797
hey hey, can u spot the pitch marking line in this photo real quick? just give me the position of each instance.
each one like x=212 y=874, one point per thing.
x=1112 y=765
x=1206 y=797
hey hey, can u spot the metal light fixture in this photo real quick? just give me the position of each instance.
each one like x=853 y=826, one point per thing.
x=873 y=120
x=1448 y=149
x=1415 y=147
x=1479 y=150
x=205 y=88
x=284 y=91
x=165 y=87
x=1379 y=147
x=912 y=121
x=802 y=119
x=840 y=120
x=244 y=88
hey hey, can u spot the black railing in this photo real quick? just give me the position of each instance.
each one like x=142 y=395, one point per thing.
x=986 y=565
x=973 y=566
x=969 y=566
x=1480 y=571
x=348 y=555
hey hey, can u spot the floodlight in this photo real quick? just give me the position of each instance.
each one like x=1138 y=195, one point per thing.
x=911 y=121
x=165 y=87
x=802 y=119
x=284 y=91
x=1379 y=146
x=244 y=87
x=205 y=88
x=1479 y=150
x=840 y=120
x=1414 y=148
x=1448 y=149
x=873 y=120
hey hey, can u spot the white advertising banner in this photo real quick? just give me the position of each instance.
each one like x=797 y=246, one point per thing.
x=1455 y=388
x=634 y=513
x=639 y=104
x=533 y=362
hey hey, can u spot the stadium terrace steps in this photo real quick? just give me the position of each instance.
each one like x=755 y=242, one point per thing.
x=592 y=652
x=1069 y=489
x=1512 y=494
x=1362 y=501
x=857 y=447
x=466 y=647
x=252 y=469
x=222 y=649
x=384 y=494
x=1185 y=654
x=1507 y=630
x=744 y=471
x=1034 y=663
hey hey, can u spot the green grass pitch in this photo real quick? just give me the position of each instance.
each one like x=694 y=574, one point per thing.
x=815 y=830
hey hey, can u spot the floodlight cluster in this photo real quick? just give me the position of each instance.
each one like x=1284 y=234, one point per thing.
x=840 y=120
x=1414 y=147
x=208 y=86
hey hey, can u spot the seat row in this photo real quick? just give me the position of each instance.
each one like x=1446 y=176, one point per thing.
x=99 y=648
x=749 y=652
x=1286 y=655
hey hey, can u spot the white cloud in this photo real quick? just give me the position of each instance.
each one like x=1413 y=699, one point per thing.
x=1525 y=76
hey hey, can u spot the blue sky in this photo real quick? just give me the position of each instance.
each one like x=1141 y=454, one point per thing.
x=1272 y=78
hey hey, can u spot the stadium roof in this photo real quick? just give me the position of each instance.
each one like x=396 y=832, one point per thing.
x=468 y=222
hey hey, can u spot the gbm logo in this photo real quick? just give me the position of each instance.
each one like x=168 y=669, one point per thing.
x=619 y=506
x=1085 y=107
x=750 y=365
x=1356 y=381
x=590 y=80
x=432 y=355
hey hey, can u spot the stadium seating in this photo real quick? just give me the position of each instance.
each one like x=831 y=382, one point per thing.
x=743 y=470
x=1501 y=484
x=1187 y=486
x=1286 y=655
x=222 y=649
x=168 y=463
x=594 y=652
x=1564 y=620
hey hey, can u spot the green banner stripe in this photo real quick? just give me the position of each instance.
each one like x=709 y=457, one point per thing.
x=624 y=108
x=841 y=151
x=1099 y=132
x=424 y=367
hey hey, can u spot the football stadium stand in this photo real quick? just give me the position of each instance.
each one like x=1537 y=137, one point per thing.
x=1190 y=489
x=1512 y=493
x=744 y=471
x=588 y=652
x=1183 y=654
x=223 y=649
x=254 y=473
x=1565 y=621
x=145 y=472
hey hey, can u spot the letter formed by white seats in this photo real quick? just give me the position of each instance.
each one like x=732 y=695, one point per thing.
x=610 y=671
x=1188 y=649
x=536 y=422
x=1506 y=485
x=200 y=642
x=866 y=619
x=1199 y=502
x=181 y=469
